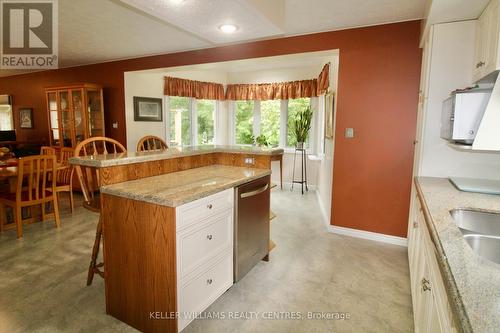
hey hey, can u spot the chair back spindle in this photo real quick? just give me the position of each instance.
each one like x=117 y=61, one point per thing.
x=151 y=143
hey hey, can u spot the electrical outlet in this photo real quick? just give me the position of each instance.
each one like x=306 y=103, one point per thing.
x=115 y=124
x=349 y=133
x=249 y=160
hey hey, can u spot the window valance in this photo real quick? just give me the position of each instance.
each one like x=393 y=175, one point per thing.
x=267 y=91
x=324 y=79
x=190 y=88
x=263 y=91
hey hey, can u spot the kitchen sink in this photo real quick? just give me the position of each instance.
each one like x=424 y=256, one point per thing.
x=481 y=230
x=485 y=246
x=474 y=221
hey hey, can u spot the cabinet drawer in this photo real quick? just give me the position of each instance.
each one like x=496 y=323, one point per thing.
x=200 y=209
x=197 y=294
x=202 y=241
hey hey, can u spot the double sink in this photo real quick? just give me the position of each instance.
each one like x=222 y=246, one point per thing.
x=481 y=230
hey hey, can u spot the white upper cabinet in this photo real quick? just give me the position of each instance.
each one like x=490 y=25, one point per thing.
x=487 y=58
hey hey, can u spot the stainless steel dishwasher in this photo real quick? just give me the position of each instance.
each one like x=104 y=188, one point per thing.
x=251 y=225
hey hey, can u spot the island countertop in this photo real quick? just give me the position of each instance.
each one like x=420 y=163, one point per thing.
x=473 y=283
x=102 y=161
x=177 y=188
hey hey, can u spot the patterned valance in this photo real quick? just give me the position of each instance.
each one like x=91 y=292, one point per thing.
x=267 y=91
x=190 y=88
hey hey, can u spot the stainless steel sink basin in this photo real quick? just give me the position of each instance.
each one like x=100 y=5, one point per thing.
x=481 y=230
x=485 y=246
x=474 y=221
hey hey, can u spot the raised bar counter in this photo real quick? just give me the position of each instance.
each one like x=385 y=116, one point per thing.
x=102 y=161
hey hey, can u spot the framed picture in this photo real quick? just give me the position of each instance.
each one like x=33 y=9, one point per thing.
x=329 y=114
x=147 y=109
x=26 y=118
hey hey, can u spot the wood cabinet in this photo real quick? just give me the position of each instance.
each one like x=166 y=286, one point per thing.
x=75 y=113
x=431 y=309
x=487 y=57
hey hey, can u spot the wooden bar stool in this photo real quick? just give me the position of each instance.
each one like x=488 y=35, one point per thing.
x=89 y=182
x=151 y=142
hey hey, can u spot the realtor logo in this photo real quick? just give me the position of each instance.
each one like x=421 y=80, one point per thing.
x=29 y=38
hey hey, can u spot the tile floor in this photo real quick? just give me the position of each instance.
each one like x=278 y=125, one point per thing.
x=42 y=280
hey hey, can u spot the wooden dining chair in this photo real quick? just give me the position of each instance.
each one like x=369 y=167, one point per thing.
x=33 y=188
x=89 y=182
x=46 y=150
x=64 y=177
x=151 y=142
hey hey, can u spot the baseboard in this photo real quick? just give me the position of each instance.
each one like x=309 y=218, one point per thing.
x=368 y=235
x=326 y=220
x=288 y=186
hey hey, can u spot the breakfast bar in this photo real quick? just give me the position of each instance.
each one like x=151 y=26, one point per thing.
x=170 y=228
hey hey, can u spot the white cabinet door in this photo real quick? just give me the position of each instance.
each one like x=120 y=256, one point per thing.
x=487 y=41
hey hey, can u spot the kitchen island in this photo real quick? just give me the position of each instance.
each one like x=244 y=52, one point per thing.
x=168 y=229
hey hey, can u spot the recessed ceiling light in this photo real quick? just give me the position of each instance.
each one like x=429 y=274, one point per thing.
x=177 y=2
x=228 y=28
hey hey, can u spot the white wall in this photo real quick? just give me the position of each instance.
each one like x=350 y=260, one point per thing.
x=451 y=65
x=143 y=84
x=325 y=170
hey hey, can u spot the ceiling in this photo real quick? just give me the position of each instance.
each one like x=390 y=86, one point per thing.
x=93 y=31
x=298 y=60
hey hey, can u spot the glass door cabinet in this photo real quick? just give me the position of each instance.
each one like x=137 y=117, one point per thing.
x=75 y=113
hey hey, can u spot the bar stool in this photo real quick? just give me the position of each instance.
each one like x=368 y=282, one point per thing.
x=89 y=182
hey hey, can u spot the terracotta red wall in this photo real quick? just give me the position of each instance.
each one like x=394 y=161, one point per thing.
x=377 y=96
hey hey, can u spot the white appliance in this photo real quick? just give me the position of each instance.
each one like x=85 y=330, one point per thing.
x=462 y=114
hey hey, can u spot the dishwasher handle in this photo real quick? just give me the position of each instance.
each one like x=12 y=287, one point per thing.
x=255 y=192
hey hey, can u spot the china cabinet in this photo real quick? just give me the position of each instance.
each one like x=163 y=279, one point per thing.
x=75 y=113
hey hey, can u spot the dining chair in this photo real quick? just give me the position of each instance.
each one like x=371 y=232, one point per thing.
x=89 y=183
x=64 y=176
x=151 y=142
x=33 y=188
x=46 y=150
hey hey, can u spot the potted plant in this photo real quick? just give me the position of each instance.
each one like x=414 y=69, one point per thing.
x=302 y=126
x=261 y=141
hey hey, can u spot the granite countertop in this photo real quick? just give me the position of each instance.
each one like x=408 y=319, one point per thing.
x=101 y=161
x=177 y=188
x=473 y=283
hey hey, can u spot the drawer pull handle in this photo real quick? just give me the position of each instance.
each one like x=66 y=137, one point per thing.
x=209 y=206
x=209 y=237
x=209 y=281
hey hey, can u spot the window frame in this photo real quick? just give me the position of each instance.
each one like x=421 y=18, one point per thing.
x=193 y=129
x=283 y=124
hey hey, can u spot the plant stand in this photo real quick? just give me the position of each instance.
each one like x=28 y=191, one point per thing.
x=303 y=171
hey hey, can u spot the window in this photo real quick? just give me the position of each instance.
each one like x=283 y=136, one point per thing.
x=205 y=110
x=294 y=106
x=270 y=113
x=273 y=118
x=6 y=122
x=244 y=116
x=180 y=121
x=191 y=121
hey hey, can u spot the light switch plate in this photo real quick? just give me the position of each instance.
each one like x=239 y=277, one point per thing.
x=349 y=133
x=249 y=160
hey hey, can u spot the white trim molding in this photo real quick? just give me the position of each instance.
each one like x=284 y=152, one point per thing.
x=324 y=214
x=368 y=235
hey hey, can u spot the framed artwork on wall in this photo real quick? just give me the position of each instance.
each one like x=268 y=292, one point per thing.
x=26 y=118
x=329 y=114
x=148 y=109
